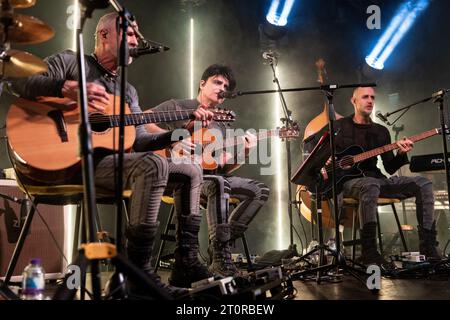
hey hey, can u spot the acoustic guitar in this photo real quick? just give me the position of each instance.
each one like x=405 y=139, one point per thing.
x=207 y=144
x=43 y=135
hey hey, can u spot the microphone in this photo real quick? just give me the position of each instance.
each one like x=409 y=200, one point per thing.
x=87 y=7
x=227 y=95
x=382 y=117
x=440 y=93
x=147 y=49
x=95 y=4
x=269 y=55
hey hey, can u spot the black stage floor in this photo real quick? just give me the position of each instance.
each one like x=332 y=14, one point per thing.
x=348 y=288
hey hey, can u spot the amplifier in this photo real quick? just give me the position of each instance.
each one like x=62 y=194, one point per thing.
x=39 y=242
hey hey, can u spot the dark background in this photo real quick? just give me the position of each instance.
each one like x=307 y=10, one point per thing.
x=226 y=31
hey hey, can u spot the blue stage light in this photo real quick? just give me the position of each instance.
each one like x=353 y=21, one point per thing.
x=398 y=27
x=279 y=11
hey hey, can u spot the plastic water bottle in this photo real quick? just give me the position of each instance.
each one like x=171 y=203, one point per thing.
x=33 y=282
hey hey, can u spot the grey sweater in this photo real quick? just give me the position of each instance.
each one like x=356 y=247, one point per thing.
x=63 y=66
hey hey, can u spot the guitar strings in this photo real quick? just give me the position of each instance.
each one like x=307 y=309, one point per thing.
x=349 y=160
x=346 y=161
x=99 y=118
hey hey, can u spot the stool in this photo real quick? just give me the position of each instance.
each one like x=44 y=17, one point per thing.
x=52 y=195
x=235 y=202
x=166 y=236
x=354 y=204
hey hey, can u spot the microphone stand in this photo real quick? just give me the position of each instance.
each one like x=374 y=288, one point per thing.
x=92 y=252
x=87 y=151
x=397 y=131
x=323 y=88
x=440 y=100
x=124 y=17
x=339 y=262
x=288 y=124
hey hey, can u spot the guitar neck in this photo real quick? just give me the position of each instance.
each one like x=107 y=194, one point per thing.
x=150 y=117
x=261 y=135
x=380 y=150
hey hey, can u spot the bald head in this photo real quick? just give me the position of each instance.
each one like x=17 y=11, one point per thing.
x=107 y=41
x=355 y=92
x=105 y=25
x=363 y=100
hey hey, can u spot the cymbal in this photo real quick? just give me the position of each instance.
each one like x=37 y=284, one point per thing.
x=16 y=64
x=22 y=3
x=26 y=30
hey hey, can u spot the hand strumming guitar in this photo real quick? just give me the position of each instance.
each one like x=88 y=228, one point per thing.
x=96 y=94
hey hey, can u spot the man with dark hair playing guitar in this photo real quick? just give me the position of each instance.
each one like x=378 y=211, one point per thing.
x=368 y=184
x=217 y=188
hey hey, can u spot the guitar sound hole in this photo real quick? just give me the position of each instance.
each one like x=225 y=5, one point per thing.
x=99 y=122
x=346 y=163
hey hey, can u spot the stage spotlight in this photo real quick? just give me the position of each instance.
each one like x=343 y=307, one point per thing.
x=274 y=26
x=404 y=18
x=279 y=12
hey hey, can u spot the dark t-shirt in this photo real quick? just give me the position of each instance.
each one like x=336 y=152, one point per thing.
x=367 y=136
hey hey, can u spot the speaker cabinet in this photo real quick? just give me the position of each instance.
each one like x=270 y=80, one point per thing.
x=39 y=242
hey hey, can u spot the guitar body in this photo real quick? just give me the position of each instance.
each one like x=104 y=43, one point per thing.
x=205 y=139
x=345 y=170
x=319 y=121
x=43 y=137
x=204 y=153
x=207 y=144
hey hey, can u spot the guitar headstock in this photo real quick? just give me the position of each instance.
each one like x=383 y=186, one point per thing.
x=447 y=130
x=289 y=133
x=224 y=115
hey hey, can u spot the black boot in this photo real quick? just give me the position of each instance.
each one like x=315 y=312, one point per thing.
x=140 y=240
x=187 y=267
x=428 y=244
x=220 y=253
x=369 y=252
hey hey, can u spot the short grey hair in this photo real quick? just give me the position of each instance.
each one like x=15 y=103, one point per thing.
x=107 y=21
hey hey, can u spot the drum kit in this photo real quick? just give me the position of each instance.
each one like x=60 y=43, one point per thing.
x=20 y=29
